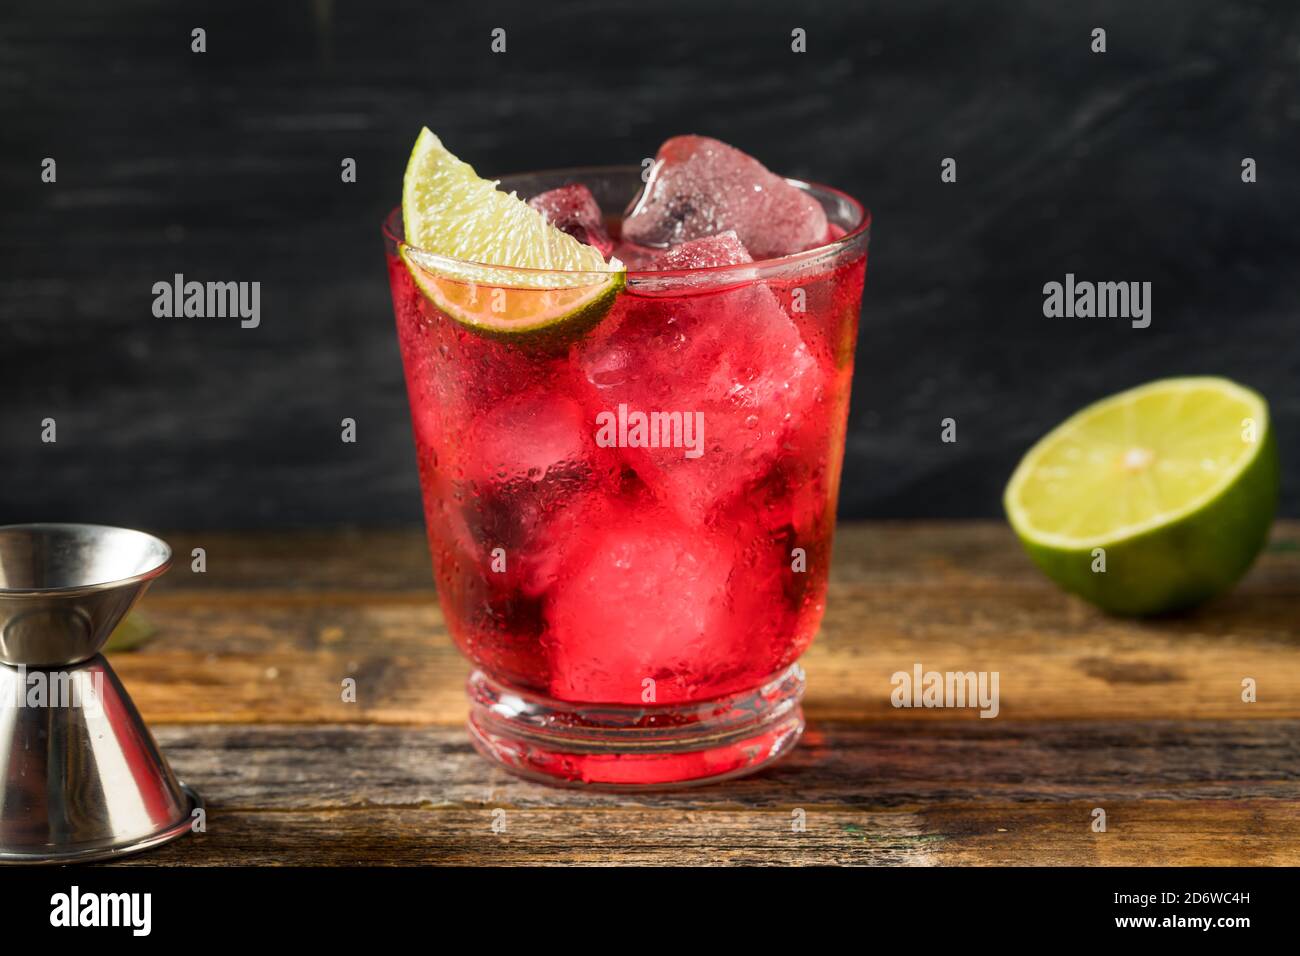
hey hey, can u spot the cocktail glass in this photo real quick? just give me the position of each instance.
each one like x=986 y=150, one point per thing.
x=630 y=519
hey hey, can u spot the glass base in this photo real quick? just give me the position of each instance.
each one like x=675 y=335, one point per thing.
x=620 y=747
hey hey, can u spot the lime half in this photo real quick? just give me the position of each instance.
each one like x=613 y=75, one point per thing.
x=1153 y=499
x=490 y=261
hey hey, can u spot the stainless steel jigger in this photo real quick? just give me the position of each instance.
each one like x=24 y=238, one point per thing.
x=82 y=777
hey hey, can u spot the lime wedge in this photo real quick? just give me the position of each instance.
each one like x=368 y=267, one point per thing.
x=490 y=261
x=1151 y=500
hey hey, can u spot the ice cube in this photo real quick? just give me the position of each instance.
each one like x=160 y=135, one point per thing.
x=644 y=598
x=731 y=360
x=573 y=209
x=532 y=437
x=524 y=473
x=492 y=621
x=701 y=187
x=724 y=249
x=636 y=258
x=557 y=534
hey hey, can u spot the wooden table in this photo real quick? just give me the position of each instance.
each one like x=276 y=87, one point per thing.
x=243 y=689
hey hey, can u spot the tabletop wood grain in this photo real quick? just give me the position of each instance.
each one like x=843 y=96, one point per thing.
x=1144 y=720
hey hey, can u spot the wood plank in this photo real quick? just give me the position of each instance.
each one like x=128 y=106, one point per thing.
x=1140 y=833
x=863 y=766
x=278 y=621
x=1143 y=719
x=346 y=562
x=937 y=794
x=933 y=554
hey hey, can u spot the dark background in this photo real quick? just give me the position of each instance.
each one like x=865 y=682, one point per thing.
x=225 y=166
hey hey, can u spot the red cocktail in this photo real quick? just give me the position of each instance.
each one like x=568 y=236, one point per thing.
x=630 y=513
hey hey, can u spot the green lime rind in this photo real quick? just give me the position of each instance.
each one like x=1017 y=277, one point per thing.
x=1169 y=567
x=554 y=331
x=1182 y=564
x=489 y=261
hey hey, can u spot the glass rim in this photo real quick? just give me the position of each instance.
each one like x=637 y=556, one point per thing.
x=858 y=233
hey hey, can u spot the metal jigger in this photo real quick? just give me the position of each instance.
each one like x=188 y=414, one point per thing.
x=82 y=778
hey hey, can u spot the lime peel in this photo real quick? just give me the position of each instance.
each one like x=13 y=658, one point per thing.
x=1175 y=481
x=463 y=232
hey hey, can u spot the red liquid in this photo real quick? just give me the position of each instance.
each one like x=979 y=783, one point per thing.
x=636 y=575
